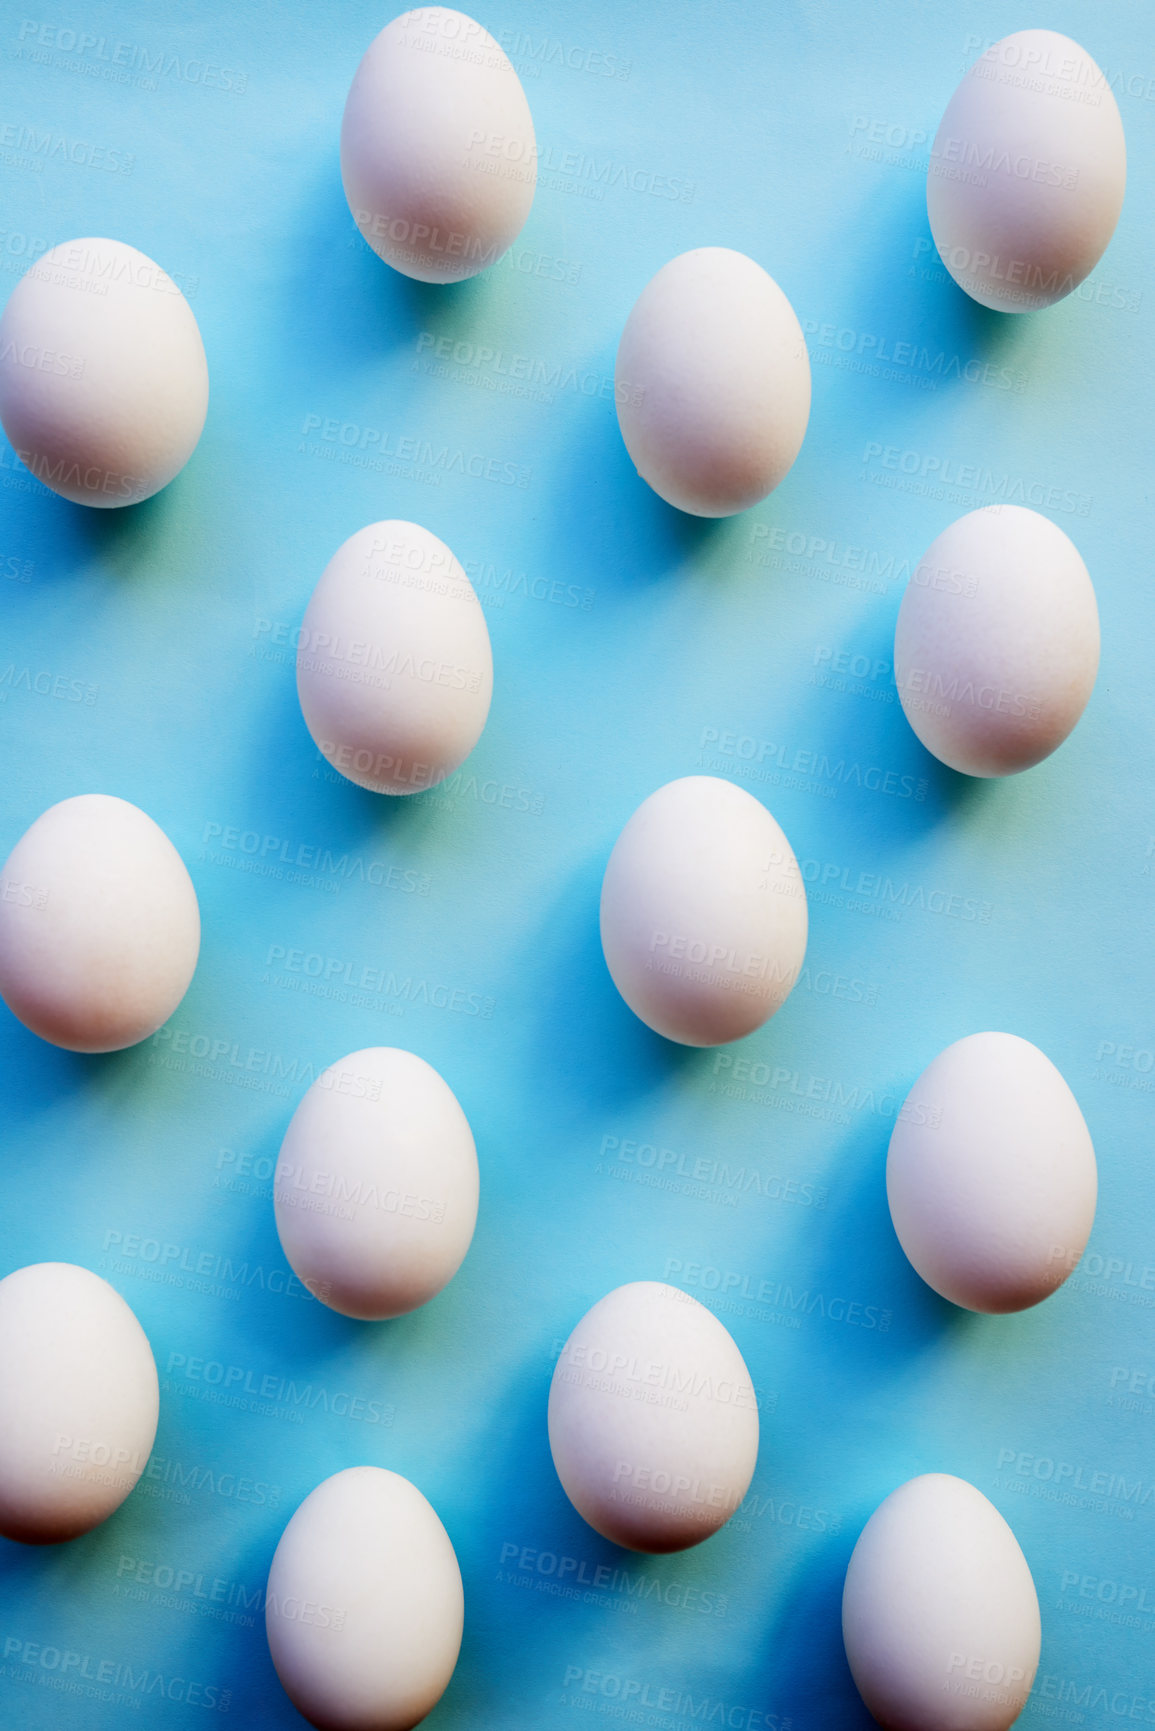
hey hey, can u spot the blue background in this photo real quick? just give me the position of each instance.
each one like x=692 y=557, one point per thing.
x=631 y=645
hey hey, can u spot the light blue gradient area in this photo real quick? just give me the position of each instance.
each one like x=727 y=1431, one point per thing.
x=625 y=636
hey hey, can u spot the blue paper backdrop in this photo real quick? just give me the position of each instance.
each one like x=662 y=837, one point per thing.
x=631 y=645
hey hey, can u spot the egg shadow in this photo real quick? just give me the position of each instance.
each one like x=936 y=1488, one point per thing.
x=811 y=1681
x=47 y=1073
x=382 y=311
x=72 y=1171
x=525 y=1509
x=290 y=789
x=858 y=1253
x=580 y=1026
x=867 y=735
x=131 y=543
x=629 y=535
x=904 y=292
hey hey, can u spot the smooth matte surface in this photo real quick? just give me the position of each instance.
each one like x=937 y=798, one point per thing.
x=712 y=383
x=375 y=1190
x=991 y=1175
x=996 y=647
x=78 y=1409
x=703 y=912
x=632 y=646
x=939 y=1612
x=653 y=1419
x=99 y=925
x=363 y=1609
x=103 y=380
x=438 y=157
x=1028 y=171
x=394 y=665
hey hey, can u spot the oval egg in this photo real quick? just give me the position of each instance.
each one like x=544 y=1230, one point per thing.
x=376 y=1186
x=1027 y=172
x=996 y=648
x=703 y=912
x=438 y=154
x=104 y=386
x=79 y=1397
x=939 y=1612
x=712 y=383
x=991 y=1175
x=650 y=1473
x=364 y=1606
x=99 y=925
x=394 y=666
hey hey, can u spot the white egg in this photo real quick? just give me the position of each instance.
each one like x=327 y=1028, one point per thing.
x=438 y=153
x=394 y=667
x=997 y=643
x=99 y=925
x=712 y=383
x=364 y=1606
x=79 y=1400
x=1027 y=172
x=703 y=912
x=991 y=1175
x=939 y=1612
x=104 y=385
x=653 y=1419
x=376 y=1186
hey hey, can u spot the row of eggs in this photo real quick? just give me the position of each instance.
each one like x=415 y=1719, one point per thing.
x=104 y=392
x=996 y=650
x=991 y=1174
x=103 y=379
x=653 y=1428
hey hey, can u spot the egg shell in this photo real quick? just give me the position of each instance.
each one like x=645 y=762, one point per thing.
x=712 y=383
x=1027 y=172
x=78 y=1402
x=991 y=1175
x=376 y=1185
x=653 y=1419
x=394 y=666
x=364 y=1606
x=104 y=386
x=438 y=153
x=997 y=642
x=99 y=925
x=939 y=1612
x=703 y=912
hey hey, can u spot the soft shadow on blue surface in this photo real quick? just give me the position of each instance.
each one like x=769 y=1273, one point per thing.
x=859 y=1251
x=344 y=307
x=812 y=1681
x=580 y=1027
x=901 y=297
x=627 y=535
x=131 y=543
